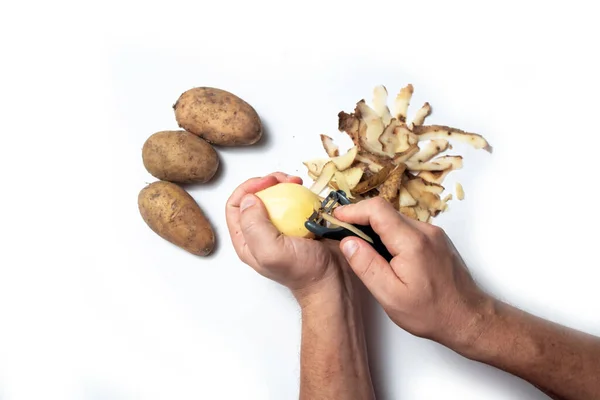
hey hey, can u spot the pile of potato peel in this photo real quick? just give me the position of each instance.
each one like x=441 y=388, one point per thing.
x=392 y=158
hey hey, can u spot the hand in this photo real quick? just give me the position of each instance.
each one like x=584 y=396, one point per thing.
x=303 y=265
x=426 y=289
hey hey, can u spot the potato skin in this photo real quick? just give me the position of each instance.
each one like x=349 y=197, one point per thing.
x=179 y=156
x=219 y=117
x=174 y=215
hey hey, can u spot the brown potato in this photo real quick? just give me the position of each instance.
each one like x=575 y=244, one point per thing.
x=179 y=156
x=219 y=117
x=174 y=215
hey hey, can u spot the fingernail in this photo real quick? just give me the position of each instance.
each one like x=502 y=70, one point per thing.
x=247 y=201
x=349 y=248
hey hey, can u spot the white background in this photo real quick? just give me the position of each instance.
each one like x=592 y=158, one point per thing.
x=95 y=306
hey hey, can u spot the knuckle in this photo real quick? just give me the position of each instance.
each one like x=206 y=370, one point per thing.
x=420 y=241
x=379 y=218
x=436 y=232
x=379 y=202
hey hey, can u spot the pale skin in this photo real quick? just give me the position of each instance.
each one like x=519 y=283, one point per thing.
x=333 y=359
x=426 y=290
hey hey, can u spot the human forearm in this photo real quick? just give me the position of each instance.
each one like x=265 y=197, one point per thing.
x=427 y=290
x=562 y=362
x=334 y=361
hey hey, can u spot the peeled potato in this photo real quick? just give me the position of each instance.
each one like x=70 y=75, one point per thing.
x=289 y=205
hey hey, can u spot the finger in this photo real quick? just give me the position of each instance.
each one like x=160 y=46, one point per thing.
x=254 y=185
x=232 y=208
x=232 y=212
x=355 y=213
x=393 y=228
x=263 y=239
x=372 y=269
x=283 y=177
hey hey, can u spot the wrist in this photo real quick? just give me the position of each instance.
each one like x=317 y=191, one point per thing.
x=472 y=327
x=334 y=360
x=332 y=289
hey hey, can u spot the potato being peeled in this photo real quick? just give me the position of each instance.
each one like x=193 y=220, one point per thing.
x=174 y=215
x=179 y=156
x=289 y=205
x=219 y=117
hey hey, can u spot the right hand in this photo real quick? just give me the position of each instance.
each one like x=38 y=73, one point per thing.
x=308 y=267
x=426 y=289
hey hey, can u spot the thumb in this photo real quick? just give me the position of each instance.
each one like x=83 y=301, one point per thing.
x=259 y=233
x=372 y=269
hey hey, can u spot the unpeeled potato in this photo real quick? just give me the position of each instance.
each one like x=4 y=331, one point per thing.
x=219 y=117
x=174 y=215
x=179 y=156
x=289 y=205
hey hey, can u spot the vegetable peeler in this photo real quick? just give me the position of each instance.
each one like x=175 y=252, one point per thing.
x=319 y=226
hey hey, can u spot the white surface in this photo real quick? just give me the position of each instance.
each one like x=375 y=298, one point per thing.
x=95 y=306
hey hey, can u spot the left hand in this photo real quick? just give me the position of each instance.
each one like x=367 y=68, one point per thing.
x=302 y=265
